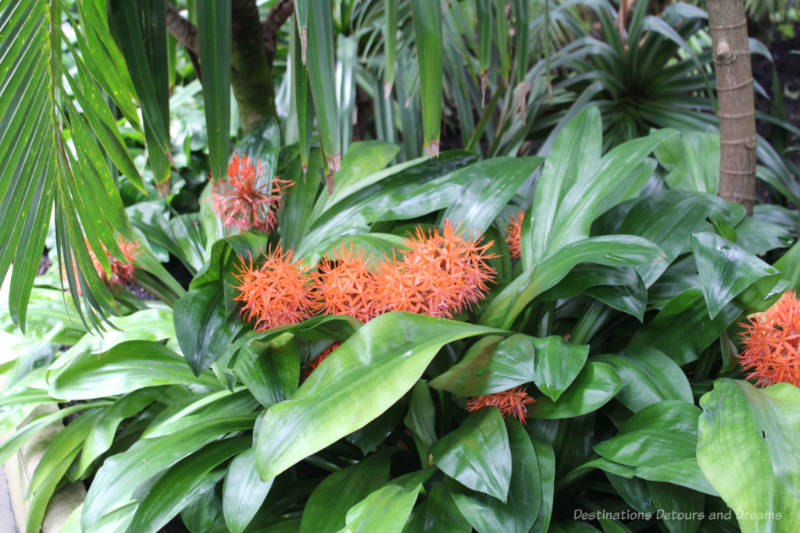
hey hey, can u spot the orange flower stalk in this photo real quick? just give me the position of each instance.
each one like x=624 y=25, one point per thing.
x=514 y=235
x=312 y=365
x=440 y=274
x=772 y=343
x=276 y=293
x=511 y=402
x=247 y=198
x=345 y=284
x=121 y=269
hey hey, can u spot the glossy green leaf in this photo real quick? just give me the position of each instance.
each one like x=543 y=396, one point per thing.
x=123 y=474
x=243 y=491
x=204 y=327
x=301 y=99
x=262 y=142
x=649 y=377
x=662 y=433
x=322 y=80
x=182 y=483
x=351 y=387
x=725 y=269
x=558 y=363
x=594 y=387
x=428 y=32
x=100 y=435
x=756 y=430
x=492 y=364
x=491 y=186
x=685 y=473
x=606 y=250
x=327 y=507
x=270 y=374
x=519 y=513
x=437 y=514
x=387 y=509
x=477 y=454
x=682 y=510
x=421 y=416
x=547 y=473
x=691 y=160
x=126 y=367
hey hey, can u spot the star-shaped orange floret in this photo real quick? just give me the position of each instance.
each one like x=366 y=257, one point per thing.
x=344 y=284
x=511 y=402
x=247 y=198
x=772 y=343
x=514 y=235
x=439 y=274
x=275 y=293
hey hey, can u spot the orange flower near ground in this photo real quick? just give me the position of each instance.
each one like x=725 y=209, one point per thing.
x=276 y=293
x=440 y=274
x=247 y=198
x=511 y=402
x=514 y=235
x=344 y=284
x=772 y=343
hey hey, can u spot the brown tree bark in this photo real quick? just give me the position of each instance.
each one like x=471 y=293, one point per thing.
x=737 y=126
x=252 y=51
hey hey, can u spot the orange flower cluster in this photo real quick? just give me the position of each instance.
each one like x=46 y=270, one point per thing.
x=510 y=402
x=772 y=343
x=437 y=275
x=275 y=293
x=121 y=269
x=514 y=235
x=247 y=199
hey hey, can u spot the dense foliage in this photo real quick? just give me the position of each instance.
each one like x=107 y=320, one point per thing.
x=559 y=327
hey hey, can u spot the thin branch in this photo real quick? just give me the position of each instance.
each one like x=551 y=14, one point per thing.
x=185 y=33
x=278 y=15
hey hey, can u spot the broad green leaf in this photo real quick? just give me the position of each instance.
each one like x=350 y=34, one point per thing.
x=421 y=416
x=594 y=387
x=477 y=454
x=270 y=373
x=263 y=142
x=182 y=483
x=360 y=380
x=243 y=491
x=214 y=36
x=682 y=510
x=756 y=431
x=427 y=17
x=558 y=363
x=547 y=473
x=662 y=433
x=387 y=509
x=437 y=514
x=126 y=367
x=649 y=377
x=492 y=364
x=490 y=187
x=789 y=265
x=605 y=250
x=327 y=507
x=100 y=435
x=519 y=513
x=685 y=473
x=691 y=160
x=682 y=329
x=51 y=469
x=321 y=78
x=204 y=327
x=123 y=474
x=725 y=269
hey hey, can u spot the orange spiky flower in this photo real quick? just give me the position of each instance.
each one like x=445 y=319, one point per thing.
x=122 y=269
x=510 y=402
x=247 y=198
x=772 y=343
x=344 y=284
x=440 y=274
x=514 y=235
x=276 y=293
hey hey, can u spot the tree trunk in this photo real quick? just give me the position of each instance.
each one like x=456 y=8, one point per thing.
x=737 y=126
